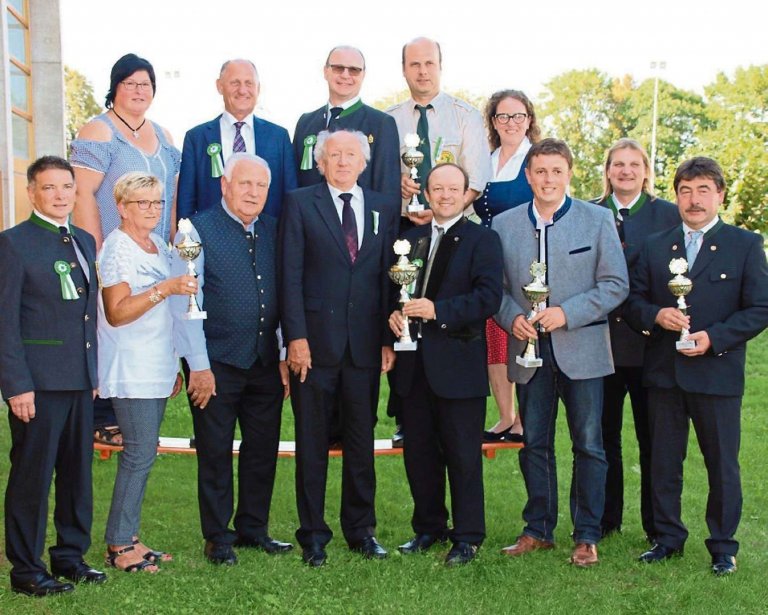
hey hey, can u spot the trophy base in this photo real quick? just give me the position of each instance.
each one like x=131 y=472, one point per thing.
x=414 y=209
x=685 y=344
x=405 y=346
x=527 y=362
x=195 y=316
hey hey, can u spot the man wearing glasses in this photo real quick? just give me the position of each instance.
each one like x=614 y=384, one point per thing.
x=207 y=147
x=345 y=71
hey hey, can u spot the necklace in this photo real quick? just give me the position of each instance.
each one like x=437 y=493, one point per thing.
x=147 y=245
x=136 y=130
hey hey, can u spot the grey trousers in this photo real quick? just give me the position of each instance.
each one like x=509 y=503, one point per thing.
x=139 y=421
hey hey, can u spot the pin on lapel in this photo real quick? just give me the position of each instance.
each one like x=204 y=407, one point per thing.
x=674 y=247
x=713 y=248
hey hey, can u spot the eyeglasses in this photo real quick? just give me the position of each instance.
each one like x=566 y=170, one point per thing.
x=145 y=203
x=517 y=118
x=132 y=85
x=338 y=69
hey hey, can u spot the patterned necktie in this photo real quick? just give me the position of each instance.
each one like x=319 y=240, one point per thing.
x=623 y=215
x=422 y=129
x=349 y=225
x=430 y=261
x=692 y=247
x=238 y=145
x=335 y=112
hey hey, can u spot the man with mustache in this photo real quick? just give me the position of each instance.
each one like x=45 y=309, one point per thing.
x=703 y=384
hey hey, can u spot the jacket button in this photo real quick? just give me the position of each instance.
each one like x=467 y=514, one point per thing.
x=80 y=290
x=87 y=344
x=722 y=276
x=87 y=318
x=443 y=326
x=646 y=333
x=73 y=265
x=618 y=319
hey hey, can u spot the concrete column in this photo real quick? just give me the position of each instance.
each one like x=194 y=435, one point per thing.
x=47 y=77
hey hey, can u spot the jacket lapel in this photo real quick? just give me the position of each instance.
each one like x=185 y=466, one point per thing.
x=327 y=210
x=443 y=257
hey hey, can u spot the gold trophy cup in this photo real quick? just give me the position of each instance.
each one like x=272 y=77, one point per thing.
x=413 y=158
x=536 y=292
x=680 y=286
x=189 y=250
x=404 y=273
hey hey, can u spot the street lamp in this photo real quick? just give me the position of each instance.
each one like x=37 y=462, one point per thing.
x=656 y=66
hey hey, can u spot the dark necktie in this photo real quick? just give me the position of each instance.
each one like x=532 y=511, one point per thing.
x=623 y=215
x=349 y=225
x=430 y=261
x=238 y=145
x=335 y=112
x=422 y=129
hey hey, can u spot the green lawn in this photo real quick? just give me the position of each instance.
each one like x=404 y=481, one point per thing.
x=540 y=583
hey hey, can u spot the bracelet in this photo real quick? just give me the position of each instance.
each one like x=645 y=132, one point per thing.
x=156 y=296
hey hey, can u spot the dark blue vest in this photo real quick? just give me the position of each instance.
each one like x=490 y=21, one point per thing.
x=498 y=197
x=240 y=292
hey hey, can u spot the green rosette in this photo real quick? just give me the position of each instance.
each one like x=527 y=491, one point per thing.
x=306 y=159
x=214 y=151
x=68 y=289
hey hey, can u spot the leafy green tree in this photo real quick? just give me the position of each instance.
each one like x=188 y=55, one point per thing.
x=737 y=137
x=79 y=102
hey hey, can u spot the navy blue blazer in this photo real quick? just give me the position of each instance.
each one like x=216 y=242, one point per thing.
x=383 y=171
x=324 y=297
x=199 y=191
x=46 y=343
x=646 y=218
x=466 y=287
x=729 y=300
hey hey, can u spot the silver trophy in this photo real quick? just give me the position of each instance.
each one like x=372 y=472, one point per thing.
x=680 y=286
x=536 y=292
x=404 y=273
x=189 y=250
x=412 y=158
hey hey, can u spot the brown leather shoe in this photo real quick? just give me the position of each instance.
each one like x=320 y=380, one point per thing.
x=526 y=544
x=584 y=555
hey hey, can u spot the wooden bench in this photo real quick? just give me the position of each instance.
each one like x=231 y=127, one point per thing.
x=287 y=448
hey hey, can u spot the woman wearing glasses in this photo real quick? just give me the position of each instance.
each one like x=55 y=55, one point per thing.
x=112 y=144
x=512 y=128
x=138 y=366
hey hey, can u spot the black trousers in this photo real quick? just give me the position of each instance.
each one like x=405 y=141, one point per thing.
x=716 y=420
x=615 y=388
x=444 y=434
x=349 y=389
x=254 y=398
x=59 y=439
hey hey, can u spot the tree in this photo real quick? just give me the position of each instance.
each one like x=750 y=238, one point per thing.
x=79 y=102
x=737 y=137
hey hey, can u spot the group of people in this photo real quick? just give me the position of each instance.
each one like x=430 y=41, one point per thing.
x=296 y=242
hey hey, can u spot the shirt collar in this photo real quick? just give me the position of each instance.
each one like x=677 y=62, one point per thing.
x=344 y=105
x=356 y=191
x=704 y=230
x=617 y=206
x=52 y=221
x=230 y=119
x=541 y=222
x=248 y=228
x=446 y=225
x=436 y=102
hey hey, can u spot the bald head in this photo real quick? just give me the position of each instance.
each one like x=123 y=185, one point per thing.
x=344 y=71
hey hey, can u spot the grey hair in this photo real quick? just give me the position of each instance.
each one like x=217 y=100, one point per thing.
x=324 y=135
x=240 y=156
x=228 y=62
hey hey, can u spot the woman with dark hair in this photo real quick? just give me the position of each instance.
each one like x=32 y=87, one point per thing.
x=512 y=128
x=109 y=146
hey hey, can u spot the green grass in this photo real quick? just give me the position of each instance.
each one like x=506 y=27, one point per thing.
x=540 y=583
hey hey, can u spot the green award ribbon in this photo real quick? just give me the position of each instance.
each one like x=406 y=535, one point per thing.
x=214 y=149
x=306 y=159
x=68 y=289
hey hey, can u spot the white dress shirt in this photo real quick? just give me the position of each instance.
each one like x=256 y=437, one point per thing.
x=227 y=125
x=358 y=207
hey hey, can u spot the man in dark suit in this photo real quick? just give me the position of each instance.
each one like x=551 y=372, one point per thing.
x=703 y=384
x=444 y=383
x=638 y=214
x=335 y=245
x=207 y=147
x=48 y=291
x=345 y=71
x=236 y=375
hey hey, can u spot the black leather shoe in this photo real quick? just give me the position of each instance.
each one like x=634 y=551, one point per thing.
x=370 y=548
x=41 y=585
x=314 y=555
x=220 y=553
x=659 y=553
x=398 y=437
x=79 y=573
x=264 y=543
x=496 y=436
x=420 y=543
x=723 y=564
x=461 y=553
